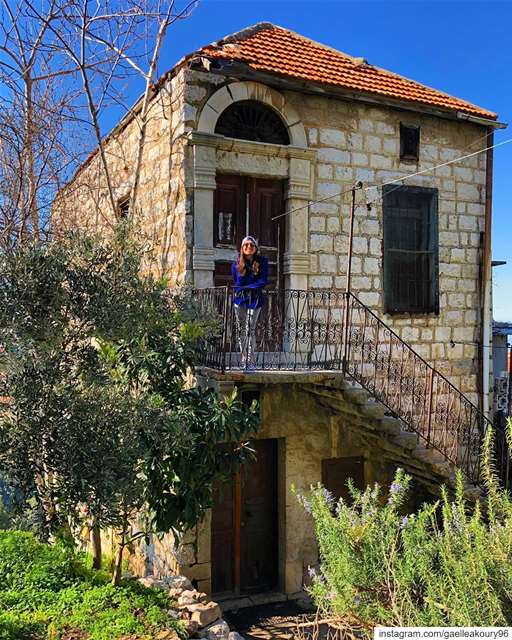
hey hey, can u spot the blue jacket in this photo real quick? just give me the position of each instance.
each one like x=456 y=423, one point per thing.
x=249 y=288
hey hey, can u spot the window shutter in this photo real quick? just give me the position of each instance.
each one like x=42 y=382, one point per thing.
x=336 y=472
x=411 y=248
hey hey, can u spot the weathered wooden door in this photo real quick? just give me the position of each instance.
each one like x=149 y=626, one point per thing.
x=244 y=527
x=336 y=472
x=245 y=206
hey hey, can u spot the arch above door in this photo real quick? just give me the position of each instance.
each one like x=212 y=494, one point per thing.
x=257 y=92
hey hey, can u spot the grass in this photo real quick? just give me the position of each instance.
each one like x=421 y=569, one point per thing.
x=52 y=593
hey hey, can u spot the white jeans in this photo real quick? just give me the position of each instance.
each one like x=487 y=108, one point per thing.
x=246 y=320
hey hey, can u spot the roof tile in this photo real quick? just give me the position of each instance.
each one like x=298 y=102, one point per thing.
x=272 y=49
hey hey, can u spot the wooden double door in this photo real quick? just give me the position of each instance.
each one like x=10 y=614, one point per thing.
x=246 y=206
x=244 y=534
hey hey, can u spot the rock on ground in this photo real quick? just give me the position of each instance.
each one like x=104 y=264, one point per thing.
x=217 y=631
x=204 y=614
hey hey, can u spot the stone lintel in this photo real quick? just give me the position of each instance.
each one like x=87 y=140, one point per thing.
x=222 y=143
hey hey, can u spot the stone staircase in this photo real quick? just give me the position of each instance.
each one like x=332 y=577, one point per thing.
x=404 y=447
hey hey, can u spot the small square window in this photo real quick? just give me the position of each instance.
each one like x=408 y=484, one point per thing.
x=409 y=141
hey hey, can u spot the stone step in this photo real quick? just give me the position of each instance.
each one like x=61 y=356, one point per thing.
x=357 y=395
x=427 y=454
x=373 y=409
x=407 y=440
x=444 y=469
x=391 y=425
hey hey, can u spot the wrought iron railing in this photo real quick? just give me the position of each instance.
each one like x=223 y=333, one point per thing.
x=330 y=330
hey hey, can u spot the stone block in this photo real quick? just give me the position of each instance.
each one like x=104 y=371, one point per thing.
x=458 y=255
x=468 y=223
x=219 y=630
x=360 y=159
x=361 y=283
x=152 y=582
x=194 y=93
x=365 y=124
x=355 y=141
x=466 y=285
x=319 y=242
x=204 y=614
x=452 y=270
x=344 y=174
x=370 y=298
x=324 y=207
x=380 y=162
x=457 y=300
x=316 y=223
x=320 y=282
x=365 y=175
x=463 y=173
x=333 y=137
x=360 y=245
x=336 y=156
x=384 y=127
x=468 y=192
x=324 y=189
x=327 y=263
x=429 y=152
x=410 y=334
x=333 y=224
x=449 y=154
x=373 y=144
x=325 y=171
x=376 y=247
x=313 y=136
x=371 y=266
x=390 y=146
x=370 y=226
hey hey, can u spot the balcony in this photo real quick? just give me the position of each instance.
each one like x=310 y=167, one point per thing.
x=319 y=330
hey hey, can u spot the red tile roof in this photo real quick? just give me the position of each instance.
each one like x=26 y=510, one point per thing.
x=272 y=49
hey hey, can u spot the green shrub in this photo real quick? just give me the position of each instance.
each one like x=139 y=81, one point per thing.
x=444 y=565
x=45 y=590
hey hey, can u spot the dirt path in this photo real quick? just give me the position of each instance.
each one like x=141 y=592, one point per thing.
x=268 y=621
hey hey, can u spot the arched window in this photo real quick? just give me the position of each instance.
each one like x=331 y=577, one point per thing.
x=252 y=120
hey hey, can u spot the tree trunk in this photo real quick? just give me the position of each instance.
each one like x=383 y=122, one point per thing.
x=118 y=566
x=96 y=546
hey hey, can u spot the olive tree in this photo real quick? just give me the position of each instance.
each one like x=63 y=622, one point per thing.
x=99 y=421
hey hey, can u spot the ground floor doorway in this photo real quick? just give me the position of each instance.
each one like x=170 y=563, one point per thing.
x=244 y=534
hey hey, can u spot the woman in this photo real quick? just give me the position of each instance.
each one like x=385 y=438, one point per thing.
x=250 y=273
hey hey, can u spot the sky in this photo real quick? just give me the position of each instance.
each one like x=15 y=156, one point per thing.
x=463 y=47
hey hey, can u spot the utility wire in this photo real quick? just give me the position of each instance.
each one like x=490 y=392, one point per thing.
x=394 y=181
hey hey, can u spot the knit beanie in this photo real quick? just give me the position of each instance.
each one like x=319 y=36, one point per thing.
x=249 y=239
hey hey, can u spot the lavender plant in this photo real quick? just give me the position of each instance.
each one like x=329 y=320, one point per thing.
x=447 y=564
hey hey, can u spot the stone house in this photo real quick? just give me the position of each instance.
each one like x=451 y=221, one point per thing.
x=267 y=132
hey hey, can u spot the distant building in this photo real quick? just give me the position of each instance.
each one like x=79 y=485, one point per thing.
x=502 y=369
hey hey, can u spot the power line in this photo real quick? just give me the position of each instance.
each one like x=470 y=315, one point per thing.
x=394 y=181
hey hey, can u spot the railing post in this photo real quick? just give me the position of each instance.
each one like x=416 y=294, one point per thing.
x=430 y=400
x=225 y=329
x=346 y=332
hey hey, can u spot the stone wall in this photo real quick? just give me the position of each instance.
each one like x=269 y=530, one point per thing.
x=354 y=141
x=160 y=218
x=351 y=141
x=308 y=431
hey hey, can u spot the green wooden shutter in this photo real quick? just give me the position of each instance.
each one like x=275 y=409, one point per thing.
x=411 y=250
